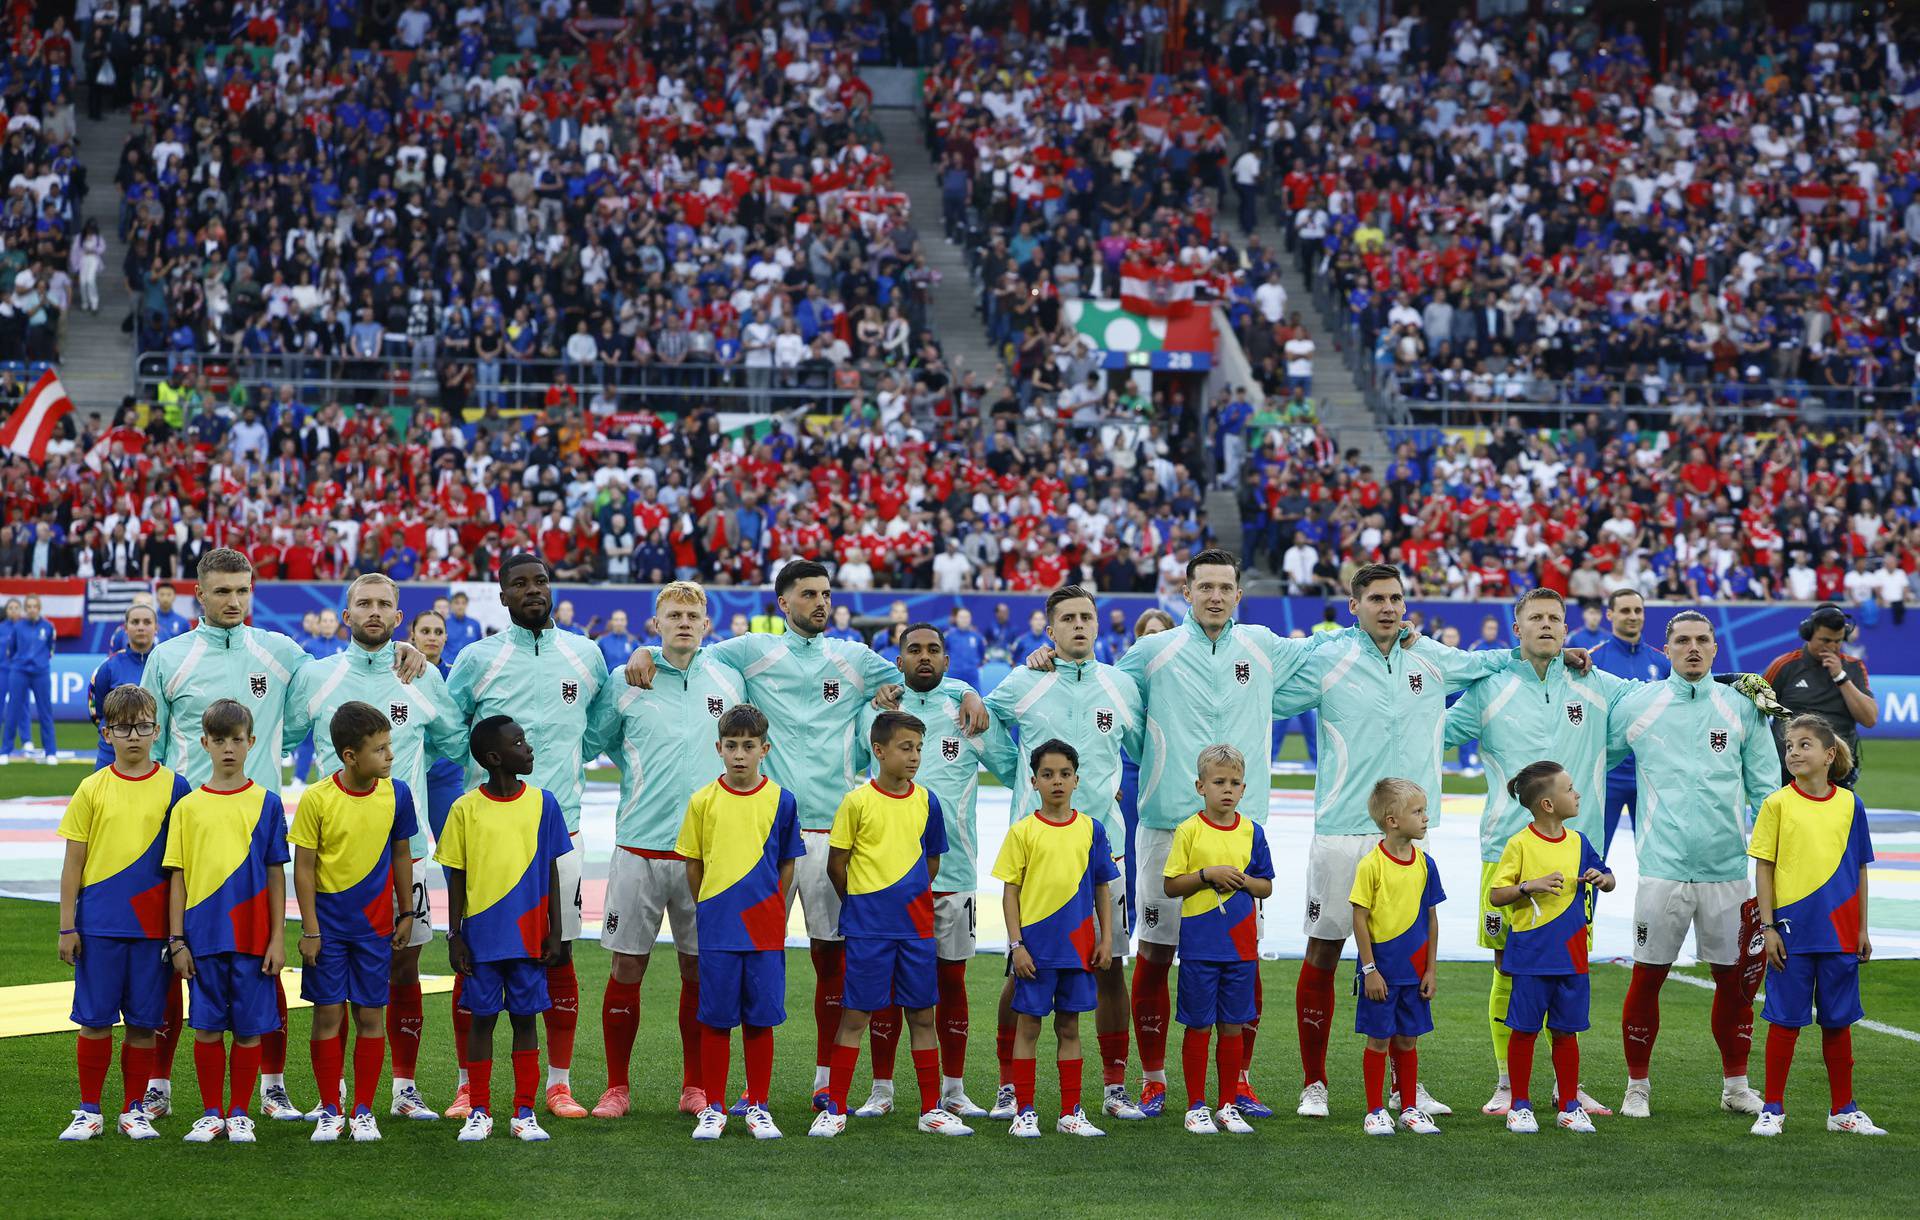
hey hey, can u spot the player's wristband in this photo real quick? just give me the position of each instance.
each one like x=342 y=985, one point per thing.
x=1367 y=968
x=309 y=936
x=69 y=931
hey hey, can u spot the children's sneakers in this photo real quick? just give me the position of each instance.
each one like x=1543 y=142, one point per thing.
x=1026 y=1126
x=135 y=1125
x=827 y=1124
x=1005 y=1103
x=939 y=1122
x=1200 y=1121
x=240 y=1129
x=1576 y=1121
x=527 y=1128
x=1229 y=1120
x=206 y=1129
x=1854 y=1122
x=712 y=1125
x=1520 y=1121
x=85 y=1125
x=760 y=1124
x=1076 y=1124
x=327 y=1128
x=1417 y=1121
x=479 y=1126
x=365 y=1130
x=1377 y=1122
x=1769 y=1123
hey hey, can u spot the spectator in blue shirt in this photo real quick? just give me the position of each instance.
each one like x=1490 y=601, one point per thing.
x=461 y=630
x=1112 y=643
x=1035 y=638
x=1590 y=632
x=966 y=649
x=617 y=644
x=563 y=618
x=400 y=560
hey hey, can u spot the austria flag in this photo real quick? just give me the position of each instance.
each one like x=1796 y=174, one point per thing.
x=31 y=425
x=1157 y=292
x=785 y=192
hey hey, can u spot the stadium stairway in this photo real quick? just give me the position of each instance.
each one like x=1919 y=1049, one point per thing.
x=962 y=332
x=96 y=356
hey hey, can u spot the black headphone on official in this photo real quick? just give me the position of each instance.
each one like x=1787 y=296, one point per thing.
x=1830 y=616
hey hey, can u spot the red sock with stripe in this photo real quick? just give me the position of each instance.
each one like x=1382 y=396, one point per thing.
x=692 y=1070
x=94 y=1057
x=1640 y=1017
x=562 y=1016
x=926 y=1069
x=246 y=1075
x=369 y=1055
x=210 y=1069
x=1520 y=1067
x=1020 y=1073
x=1113 y=1057
x=1373 y=1071
x=1003 y=1044
x=619 y=1024
x=1566 y=1069
x=136 y=1068
x=1193 y=1064
x=1152 y=1008
x=273 y=1044
x=1069 y=1086
x=1732 y=1020
x=884 y=1030
x=1406 y=1072
x=1313 y=1014
x=1226 y=1060
x=404 y=1030
x=1836 y=1047
x=329 y=1055
x=829 y=981
x=716 y=1059
x=756 y=1047
x=526 y=1079
x=950 y=1014
x=167 y=1045
x=840 y=1075
x=1781 y=1040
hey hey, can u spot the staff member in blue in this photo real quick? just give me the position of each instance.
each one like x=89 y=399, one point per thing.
x=31 y=647
x=446 y=780
x=6 y=676
x=1626 y=654
x=324 y=642
x=125 y=667
x=966 y=649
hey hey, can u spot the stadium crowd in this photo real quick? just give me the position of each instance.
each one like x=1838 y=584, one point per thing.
x=45 y=262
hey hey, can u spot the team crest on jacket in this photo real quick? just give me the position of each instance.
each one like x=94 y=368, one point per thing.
x=1103 y=719
x=1717 y=738
x=257 y=684
x=1494 y=922
x=830 y=690
x=1416 y=681
x=1576 y=713
x=1313 y=910
x=397 y=712
x=950 y=748
x=569 y=692
x=1243 y=672
x=715 y=705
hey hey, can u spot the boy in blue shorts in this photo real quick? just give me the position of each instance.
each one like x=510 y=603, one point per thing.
x=226 y=849
x=1395 y=933
x=503 y=916
x=1811 y=849
x=1057 y=866
x=1544 y=874
x=351 y=850
x=1219 y=866
x=740 y=839
x=113 y=910
x=883 y=854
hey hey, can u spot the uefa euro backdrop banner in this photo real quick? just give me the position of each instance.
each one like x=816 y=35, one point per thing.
x=1750 y=635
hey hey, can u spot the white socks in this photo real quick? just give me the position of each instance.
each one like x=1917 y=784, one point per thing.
x=559 y=1076
x=462 y=1081
x=951 y=1086
x=1159 y=1077
x=820 y=1074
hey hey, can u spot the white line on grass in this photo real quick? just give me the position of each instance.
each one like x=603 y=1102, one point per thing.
x=1877 y=1027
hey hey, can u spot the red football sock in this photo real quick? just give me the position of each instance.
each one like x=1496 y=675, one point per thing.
x=1226 y=1060
x=168 y=1043
x=1520 y=1067
x=951 y=1016
x=246 y=1074
x=1003 y=1043
x=1021 y=1074
x=1732 y=1020
x=95 y=1056
x=526 y=1079
x=840 y=1076
x=1113 y=1057
x=1566 y=1069
x=368 y=1055
x=885 y=1032
x=1251 y=1028
x=273 y=1045
x=408 y=1020
x=1152 y=1008
x=756 y=1045
x=1640 y=1017
x=926 y=1068
x=829 y=979
x=1193 y=1064
x=462 y=1023
x=1836 y=1047
x=562 y=1016
x=690 y=1039
x=1373 y=1070
x=480 y=1081
x=136 y=1068
x=716 y=1058
x=1313 y=1014
x=1069 y=1085
x=210 y=1069
x=329 y=1056
x=1781 y=1040
x=1406 y=1072
x=619 y=1023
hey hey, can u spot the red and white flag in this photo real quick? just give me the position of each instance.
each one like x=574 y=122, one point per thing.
x=31 y=425
x=785 y=192
x=1156 y=292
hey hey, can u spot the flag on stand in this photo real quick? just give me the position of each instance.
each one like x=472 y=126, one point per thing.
x=31 y=425
x=1157 y=292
